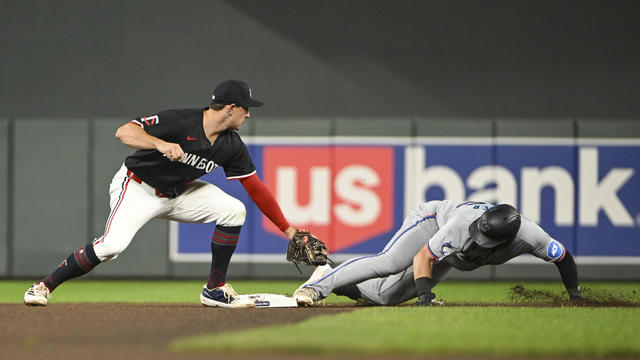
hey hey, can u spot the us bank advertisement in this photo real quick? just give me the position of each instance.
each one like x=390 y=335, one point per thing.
x=353 y=193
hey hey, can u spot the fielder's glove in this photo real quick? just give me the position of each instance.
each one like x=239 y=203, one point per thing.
x=304 y=248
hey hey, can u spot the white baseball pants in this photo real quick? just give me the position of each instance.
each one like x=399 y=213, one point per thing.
x=133 y=203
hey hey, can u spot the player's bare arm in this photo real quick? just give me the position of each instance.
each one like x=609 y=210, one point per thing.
x=422 y=275
x=135 y=137
x=423 y=264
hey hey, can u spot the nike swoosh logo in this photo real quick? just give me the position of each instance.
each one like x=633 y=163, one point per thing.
x=191 y=138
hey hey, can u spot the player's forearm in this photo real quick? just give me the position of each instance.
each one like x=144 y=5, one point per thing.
x=423 y=264
x=135 y=137
x=569 y=274
x=422 y=276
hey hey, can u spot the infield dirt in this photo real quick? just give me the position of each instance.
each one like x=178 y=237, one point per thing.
x=126 y=331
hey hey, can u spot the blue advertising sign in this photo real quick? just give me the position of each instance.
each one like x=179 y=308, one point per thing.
x=584 y=194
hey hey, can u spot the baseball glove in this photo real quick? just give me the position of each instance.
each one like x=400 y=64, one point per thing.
x=304 y=248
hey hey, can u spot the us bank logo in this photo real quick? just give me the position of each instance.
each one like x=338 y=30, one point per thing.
x=344 y=194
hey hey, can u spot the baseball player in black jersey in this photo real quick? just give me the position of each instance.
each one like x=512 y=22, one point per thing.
x=160 y=180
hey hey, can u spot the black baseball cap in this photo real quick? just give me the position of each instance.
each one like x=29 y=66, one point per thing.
x=234 y=92
x=496 y=226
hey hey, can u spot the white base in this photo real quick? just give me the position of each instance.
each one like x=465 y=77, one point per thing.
x=271 y=300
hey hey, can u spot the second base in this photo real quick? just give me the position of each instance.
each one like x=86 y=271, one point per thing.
x=271 y=300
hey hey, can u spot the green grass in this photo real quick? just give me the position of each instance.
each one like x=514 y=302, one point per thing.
x=513 y=331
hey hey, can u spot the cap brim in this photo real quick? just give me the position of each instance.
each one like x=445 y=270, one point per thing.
x=252 y=103
x=480 y=238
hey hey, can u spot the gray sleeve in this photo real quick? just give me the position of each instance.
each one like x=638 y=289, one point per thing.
x=543 y=245
x=449 y=239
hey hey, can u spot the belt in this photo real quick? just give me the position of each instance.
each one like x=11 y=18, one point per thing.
x=135 y=178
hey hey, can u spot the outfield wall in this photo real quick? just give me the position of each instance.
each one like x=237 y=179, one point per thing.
x=582 y=184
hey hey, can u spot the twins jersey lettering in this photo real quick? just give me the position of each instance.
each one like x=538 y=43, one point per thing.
x=184 y=127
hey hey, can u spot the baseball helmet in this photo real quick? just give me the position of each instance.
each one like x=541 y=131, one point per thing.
x=496 y=226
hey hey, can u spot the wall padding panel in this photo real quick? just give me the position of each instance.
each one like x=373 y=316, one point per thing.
x=4 y=196
x=50 y=193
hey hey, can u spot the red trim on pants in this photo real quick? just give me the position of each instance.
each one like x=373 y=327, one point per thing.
x=126 y=185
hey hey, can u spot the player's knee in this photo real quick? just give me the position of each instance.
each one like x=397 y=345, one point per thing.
x=235 y=214
x=387 y=300
x=106 y=252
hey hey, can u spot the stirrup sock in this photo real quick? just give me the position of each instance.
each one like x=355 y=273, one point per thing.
x=80 y=262
x=223 y=244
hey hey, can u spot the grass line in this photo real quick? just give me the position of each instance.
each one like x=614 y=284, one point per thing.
x=188 y=291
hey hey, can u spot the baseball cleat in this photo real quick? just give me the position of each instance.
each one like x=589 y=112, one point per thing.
x=37 y=295
x=305 y=296
x=224 y=296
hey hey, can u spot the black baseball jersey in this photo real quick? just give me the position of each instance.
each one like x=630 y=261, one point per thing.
x=185 y=127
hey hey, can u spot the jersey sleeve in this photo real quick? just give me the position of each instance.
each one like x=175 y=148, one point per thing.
x=449 y=239
x=261 y=195
x=239 y=165
x=161 y=125
x=544 y=246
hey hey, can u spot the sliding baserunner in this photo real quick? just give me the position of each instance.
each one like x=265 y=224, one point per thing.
x=435 y=237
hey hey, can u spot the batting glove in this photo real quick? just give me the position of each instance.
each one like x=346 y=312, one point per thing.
x=425 y=300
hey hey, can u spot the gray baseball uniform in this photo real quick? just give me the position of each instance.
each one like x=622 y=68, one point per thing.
x=387 y=277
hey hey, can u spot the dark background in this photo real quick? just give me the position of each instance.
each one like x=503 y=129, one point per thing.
x=510 y=58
